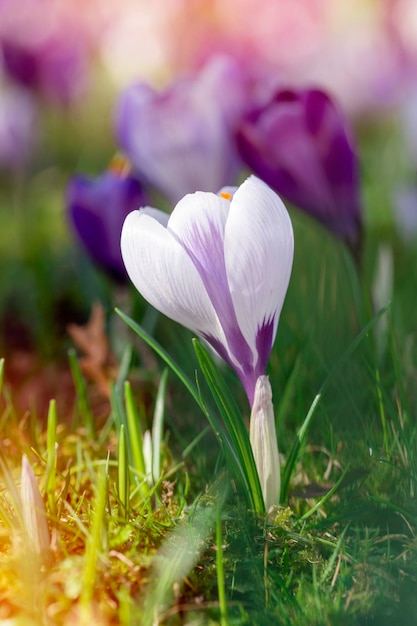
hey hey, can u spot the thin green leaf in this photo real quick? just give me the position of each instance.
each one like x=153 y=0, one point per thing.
x=237 y=444
x=221 y=588
x=158 y=426
x=81 y=390
x=244 y=470
x=301 y=435
x=51 y=457
x=134 y=431
x=123 y=474
x=324 y=499
x=94 y=543
x=152 y=343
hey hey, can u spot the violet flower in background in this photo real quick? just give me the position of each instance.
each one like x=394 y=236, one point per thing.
x=18 y=128
x=301 y=145
x=181 y=139
x=97 y=209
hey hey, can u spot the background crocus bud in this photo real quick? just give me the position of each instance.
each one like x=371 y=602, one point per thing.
x=97 y=209
x=33 y=510
x=264 y=443
x=180 y=140
x=300 y=144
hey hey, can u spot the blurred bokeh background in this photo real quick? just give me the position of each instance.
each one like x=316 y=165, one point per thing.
x=78 y=86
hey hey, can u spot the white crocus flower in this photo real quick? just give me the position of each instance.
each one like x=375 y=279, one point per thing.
x=220 y=265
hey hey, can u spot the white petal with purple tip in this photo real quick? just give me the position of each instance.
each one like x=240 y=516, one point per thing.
x=259 y=247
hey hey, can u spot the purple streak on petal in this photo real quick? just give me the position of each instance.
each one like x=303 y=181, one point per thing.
x=248 y=377
x=221 y=350
x=207 y=254
x=264 y=341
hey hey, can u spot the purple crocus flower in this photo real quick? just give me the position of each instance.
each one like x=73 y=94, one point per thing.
x=181 y=139
x=97 y=209
x=301 y=145
x=219 y=266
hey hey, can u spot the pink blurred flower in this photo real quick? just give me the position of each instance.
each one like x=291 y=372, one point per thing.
x=43 y=48
x=364 y=52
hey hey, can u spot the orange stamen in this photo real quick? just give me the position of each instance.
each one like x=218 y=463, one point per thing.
x=119 y=166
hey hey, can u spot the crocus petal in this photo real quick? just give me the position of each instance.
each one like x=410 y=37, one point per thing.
x=259 y=247
x=182 y=139
x=199 y=222
x=164 y=274
x=264 y=443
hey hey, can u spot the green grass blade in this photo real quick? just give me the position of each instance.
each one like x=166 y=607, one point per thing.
x=220 y=569
x=382 y=411
x=81 y=390
x=94 y=543
x=152 y=343
x=134 y=431
x=237 y=445
x=117 y=408
x=233 y=439
x=293 y=455
x=124 y=367
x=301 y=435
x=337 y=549
x=51 y=457
x=324 y=499
x=157 y=427
x=123 y=482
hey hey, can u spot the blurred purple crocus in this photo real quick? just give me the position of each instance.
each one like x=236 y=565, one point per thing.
x=97 y=209
x=301 y=145
x=181 y=139
x=18 y=128
x=43 y=49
